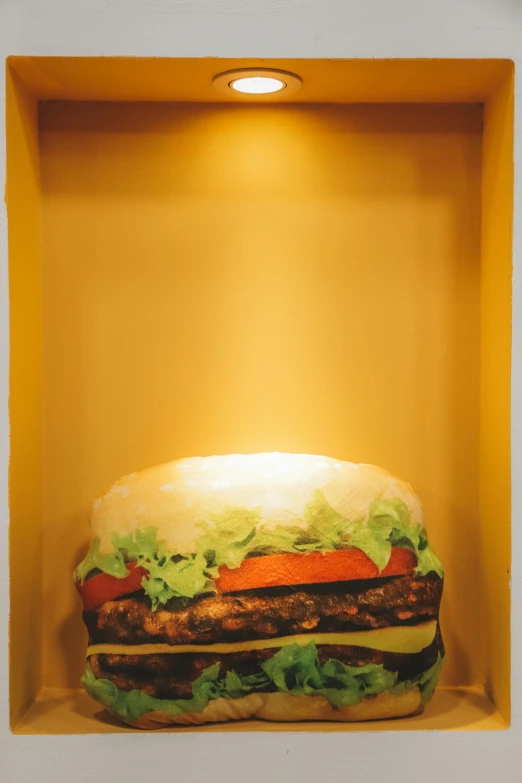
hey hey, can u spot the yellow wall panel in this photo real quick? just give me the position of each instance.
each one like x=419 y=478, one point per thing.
x=301 y=278
x=495 y=419
x=422 y=80
x=25 y=395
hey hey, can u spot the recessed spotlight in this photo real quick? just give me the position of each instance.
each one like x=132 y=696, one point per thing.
x=257 y=83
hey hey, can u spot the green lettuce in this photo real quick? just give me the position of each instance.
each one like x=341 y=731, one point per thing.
x=294 y=669
x=113 y=564
x=228 y=538
x=426 y=682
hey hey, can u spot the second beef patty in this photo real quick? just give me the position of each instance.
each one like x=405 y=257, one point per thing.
x=171 y=676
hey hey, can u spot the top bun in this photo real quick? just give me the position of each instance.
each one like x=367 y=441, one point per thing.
x=173 y=498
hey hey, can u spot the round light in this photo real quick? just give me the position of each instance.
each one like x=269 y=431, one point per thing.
x=257 y=85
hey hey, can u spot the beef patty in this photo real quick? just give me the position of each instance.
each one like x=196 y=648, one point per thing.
x=256 y=614
x=171 y=676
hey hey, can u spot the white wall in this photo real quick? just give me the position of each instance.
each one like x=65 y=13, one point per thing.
x=270 y=28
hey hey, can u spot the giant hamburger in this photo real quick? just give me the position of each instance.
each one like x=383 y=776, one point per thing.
x=275 y=586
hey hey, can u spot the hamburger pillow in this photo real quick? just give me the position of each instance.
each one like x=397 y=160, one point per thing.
x=276 y=586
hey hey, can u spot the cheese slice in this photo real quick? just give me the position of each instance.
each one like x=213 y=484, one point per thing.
x=397 y=639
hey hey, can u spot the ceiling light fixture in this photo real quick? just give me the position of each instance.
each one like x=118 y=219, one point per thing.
x=257 y=83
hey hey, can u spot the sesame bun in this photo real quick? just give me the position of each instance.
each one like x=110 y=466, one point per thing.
x=173 y=498
x=285 y=707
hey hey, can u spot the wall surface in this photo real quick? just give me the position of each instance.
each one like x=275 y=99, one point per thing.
x=23 y=198
x=242 y=279
x=312 y=28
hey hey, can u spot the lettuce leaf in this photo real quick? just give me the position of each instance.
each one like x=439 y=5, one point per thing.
x=426 y=681
x=428 y=561
x=228 y=538
x=113 y=564
x=176 y=578
x=294 y=669
x=129 y=705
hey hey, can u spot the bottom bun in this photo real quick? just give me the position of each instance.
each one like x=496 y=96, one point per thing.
x=285 y=707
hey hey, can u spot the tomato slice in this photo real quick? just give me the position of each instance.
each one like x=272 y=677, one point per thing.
x=267 y=571
x=311 y=568
x=103 y=587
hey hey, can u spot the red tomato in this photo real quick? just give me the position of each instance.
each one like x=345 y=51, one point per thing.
x=311 y=568
x=103 y=587
x=266 y=571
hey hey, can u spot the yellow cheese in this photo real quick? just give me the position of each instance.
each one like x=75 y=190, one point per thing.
x=398 y=639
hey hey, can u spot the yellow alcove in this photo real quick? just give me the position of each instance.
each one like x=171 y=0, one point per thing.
x=191 y=274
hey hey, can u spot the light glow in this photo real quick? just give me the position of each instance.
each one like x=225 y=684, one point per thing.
x=257 y=85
